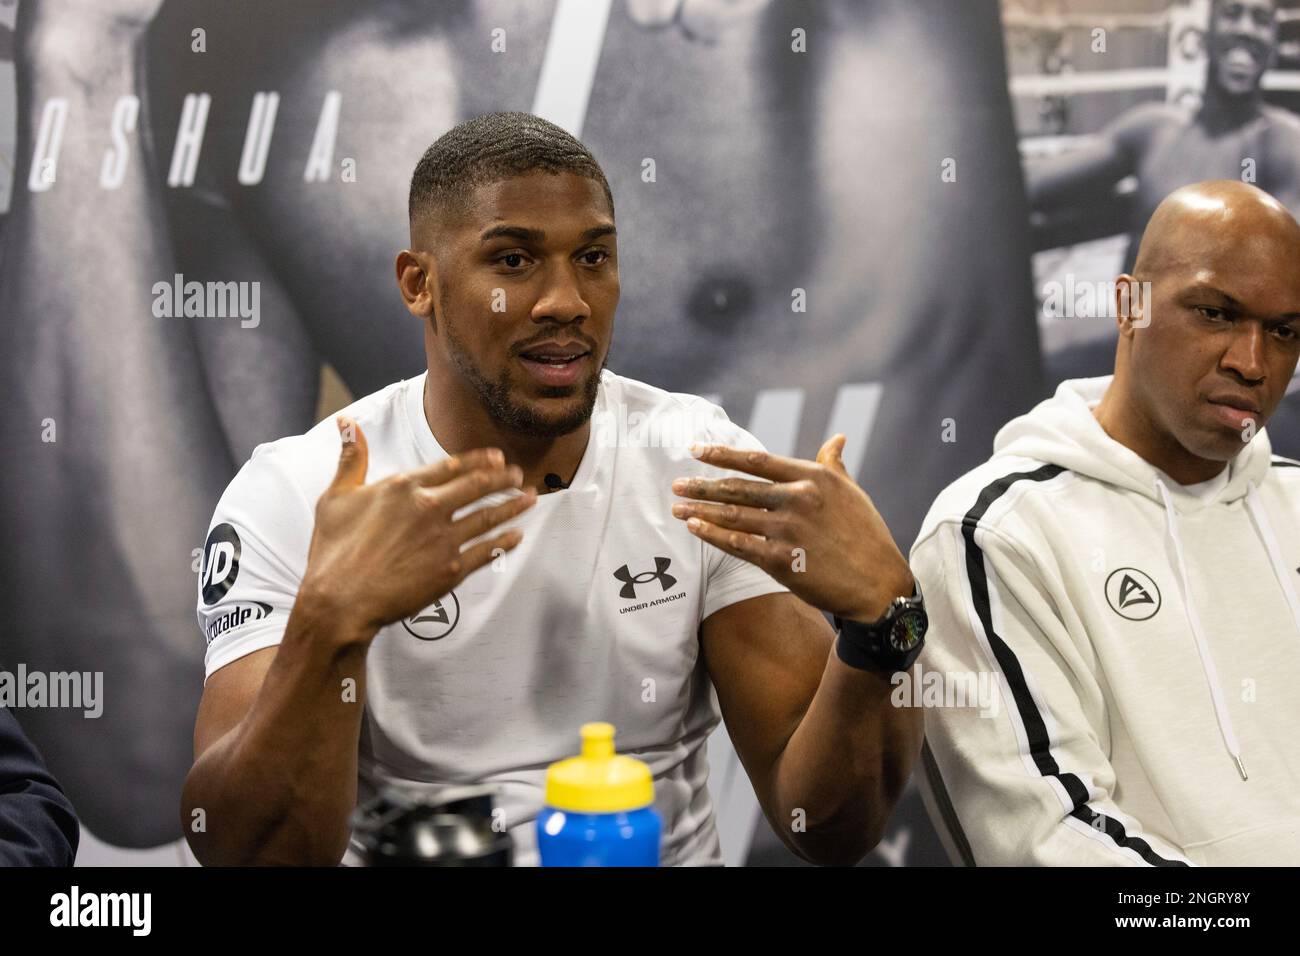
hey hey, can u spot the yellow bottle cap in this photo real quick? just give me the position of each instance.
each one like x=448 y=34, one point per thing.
x=599 y=781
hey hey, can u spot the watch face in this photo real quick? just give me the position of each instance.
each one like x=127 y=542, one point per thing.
x=908 y=629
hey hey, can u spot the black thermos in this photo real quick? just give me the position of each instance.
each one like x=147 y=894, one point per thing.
x=398 y=828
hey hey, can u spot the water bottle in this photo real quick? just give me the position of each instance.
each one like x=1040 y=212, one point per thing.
x=599 y=808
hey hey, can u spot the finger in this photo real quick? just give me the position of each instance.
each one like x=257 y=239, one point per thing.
x=747 y=547
x=733 y=517
x=737 y=491
x=470 y=487
x=475 y=556
x=441 y=472
x=485 y=519
x=832 y=454
x=354 y=455
x=762 y=464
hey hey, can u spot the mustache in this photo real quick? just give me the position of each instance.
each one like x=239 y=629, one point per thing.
x=585 y=341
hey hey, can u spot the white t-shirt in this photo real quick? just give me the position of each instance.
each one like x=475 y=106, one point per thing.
x=594 y=616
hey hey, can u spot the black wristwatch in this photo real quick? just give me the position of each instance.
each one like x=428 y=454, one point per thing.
x=890 y=644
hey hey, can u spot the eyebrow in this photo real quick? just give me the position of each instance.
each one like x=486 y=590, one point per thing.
x=1201 y=289
x=525 y=234
x=1204 y=289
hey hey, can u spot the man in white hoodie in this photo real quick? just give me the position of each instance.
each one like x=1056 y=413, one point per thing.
x=1124 y=572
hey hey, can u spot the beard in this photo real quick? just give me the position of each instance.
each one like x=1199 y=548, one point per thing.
x=521 y=417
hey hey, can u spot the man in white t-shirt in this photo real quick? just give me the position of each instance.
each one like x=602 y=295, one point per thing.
x=442 y=585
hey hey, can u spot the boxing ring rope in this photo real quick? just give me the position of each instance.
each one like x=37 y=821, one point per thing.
x=1067 y=84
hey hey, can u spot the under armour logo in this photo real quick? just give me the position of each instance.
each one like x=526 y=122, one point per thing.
x=629 y=582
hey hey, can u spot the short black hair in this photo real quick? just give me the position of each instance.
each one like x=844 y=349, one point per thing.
x=490 y=148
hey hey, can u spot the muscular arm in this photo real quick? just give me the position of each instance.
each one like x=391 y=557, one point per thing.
x=275 y=747
x=827 y=753
x=1280 y=174
x=1092 y=170
x=275 y=741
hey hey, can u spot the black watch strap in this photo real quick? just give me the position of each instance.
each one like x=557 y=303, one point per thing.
x=888 y=645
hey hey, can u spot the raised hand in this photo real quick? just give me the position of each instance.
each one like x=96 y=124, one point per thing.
x=381 y=552
x=809 y=525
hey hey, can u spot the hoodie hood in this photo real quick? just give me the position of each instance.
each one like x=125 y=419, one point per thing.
x=1063 y=431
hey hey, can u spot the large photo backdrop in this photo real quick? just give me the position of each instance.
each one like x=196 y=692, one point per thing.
x=833 y=216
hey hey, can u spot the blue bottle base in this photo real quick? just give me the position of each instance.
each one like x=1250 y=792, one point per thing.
x=598 y=839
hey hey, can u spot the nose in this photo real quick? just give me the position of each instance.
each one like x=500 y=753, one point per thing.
x=561 y=299
x=1245 y=354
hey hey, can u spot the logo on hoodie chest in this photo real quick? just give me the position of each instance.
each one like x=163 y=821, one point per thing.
x=1132 y=594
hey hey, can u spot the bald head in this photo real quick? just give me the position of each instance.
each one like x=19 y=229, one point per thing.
x=1211 y=340
x=1192 y=221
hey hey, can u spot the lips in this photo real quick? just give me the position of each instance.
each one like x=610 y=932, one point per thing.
x=554 y=352
x=1243 y=402
x=1241 y=56
x=555 y=363
x=1236 y=411
x=1242 y=60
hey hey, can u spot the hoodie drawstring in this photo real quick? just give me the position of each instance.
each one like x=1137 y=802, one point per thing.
x=1256 y=505
x=1202 y=647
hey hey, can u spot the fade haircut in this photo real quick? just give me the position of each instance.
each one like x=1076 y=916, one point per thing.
x=488 y=149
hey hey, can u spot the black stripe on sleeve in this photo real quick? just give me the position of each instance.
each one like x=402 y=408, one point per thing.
x=1035 y=727
x=1285 y=463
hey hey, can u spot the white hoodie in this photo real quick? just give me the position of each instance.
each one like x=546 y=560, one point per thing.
x=1145 y=643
